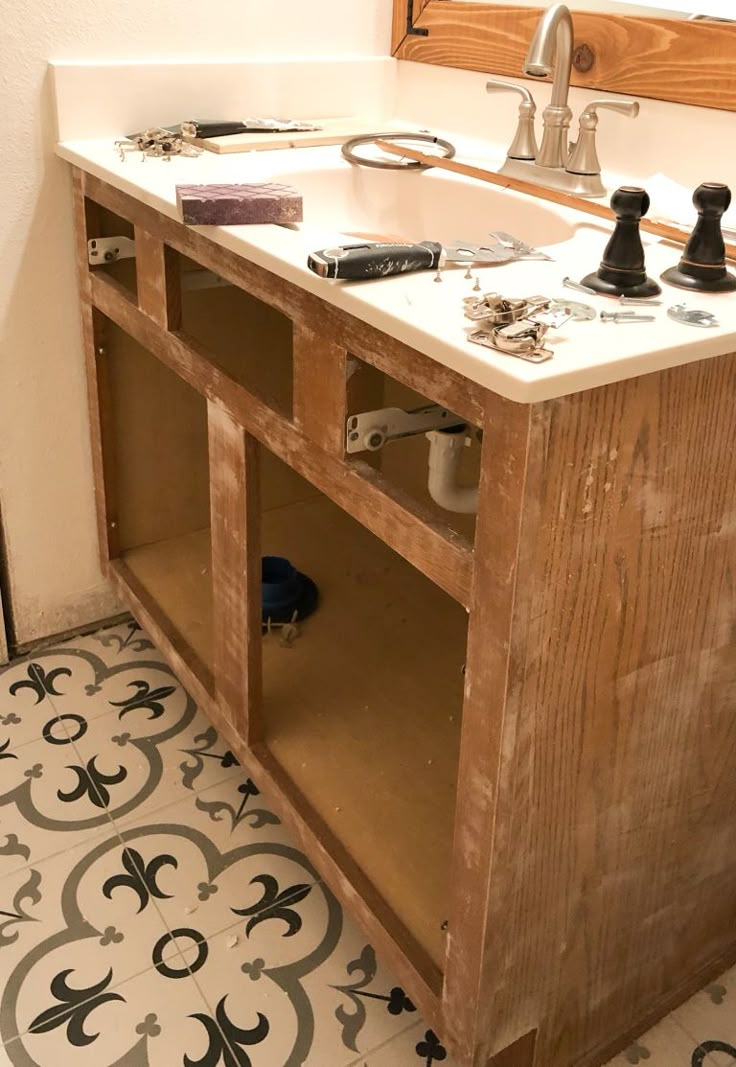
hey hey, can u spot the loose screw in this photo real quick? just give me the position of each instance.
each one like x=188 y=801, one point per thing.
x=570 y=284
x=641 y=301
x=622 y=317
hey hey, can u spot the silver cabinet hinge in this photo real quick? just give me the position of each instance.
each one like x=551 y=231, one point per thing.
x=109 y=249
x=371 y=430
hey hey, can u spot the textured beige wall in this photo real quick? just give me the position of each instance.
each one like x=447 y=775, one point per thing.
x=45 y=469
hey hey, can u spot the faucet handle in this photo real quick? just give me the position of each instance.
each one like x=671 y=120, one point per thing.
x=524 y=144
x=630 y=108
x=583 y=155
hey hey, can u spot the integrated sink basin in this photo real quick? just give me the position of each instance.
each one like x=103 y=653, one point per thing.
x=420 y=205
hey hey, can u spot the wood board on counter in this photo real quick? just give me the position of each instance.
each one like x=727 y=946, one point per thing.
x=333 y=131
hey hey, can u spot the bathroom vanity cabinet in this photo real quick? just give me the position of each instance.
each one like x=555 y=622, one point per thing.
x=507 y=742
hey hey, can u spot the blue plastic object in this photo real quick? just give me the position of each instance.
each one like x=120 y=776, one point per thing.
x=285 y=590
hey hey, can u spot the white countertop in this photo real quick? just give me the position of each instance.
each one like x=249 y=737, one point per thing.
x=413 y=308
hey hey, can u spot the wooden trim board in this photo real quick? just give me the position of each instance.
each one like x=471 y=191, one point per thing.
x=334 y=131
x=666 y=59
x=554 y=196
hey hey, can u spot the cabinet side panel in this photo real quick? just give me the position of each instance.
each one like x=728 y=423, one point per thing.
x=618 y=883
x=97 y=373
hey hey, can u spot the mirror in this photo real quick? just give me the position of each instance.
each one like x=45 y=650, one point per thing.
x=678 y=50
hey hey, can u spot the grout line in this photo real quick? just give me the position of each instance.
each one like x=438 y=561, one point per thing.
x=95 y=833
x=123 y=981
x=363 y=1057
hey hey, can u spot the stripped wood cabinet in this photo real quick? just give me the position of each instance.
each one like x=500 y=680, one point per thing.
x=527 y=721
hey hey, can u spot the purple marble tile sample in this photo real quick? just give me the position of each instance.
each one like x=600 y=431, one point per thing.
x=239 y=204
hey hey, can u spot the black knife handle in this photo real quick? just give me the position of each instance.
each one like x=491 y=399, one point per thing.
x=374 y=260
x=219 y=128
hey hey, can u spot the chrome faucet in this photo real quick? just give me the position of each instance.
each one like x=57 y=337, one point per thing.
x=557 y=164
x=553 y=40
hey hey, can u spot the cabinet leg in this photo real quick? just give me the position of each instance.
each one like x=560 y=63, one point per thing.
x=520 y=1054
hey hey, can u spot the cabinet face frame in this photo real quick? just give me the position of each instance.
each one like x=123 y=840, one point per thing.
x=687 y=62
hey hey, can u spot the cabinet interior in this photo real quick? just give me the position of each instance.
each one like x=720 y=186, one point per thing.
x=246 y=338
x=102 y=222
x=158 y=441
x=404 y=463
x=363 y=710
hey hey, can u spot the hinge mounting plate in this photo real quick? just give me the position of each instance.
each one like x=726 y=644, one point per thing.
x=371 y=430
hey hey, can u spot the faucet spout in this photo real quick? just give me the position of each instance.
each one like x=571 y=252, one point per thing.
x=553 y=41
x=550 y=52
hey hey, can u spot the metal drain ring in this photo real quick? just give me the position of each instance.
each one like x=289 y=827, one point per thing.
x=348 y=150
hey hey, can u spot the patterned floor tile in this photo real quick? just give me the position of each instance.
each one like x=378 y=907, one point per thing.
x=191 y=930
x=5 y=1060
x=666 y=1045
x=27 y=687
x=357 y=1002
x=45 y=805
x=126 y=640
x=297 y=964
x=152 y=1020
x=710 y=1019
x=414 y=1047
x=154 y=747
x=226 y=853
x=90 y=920
x=253 y=975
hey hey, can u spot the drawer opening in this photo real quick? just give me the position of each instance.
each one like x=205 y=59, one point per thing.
x=375 y=403
x=248 y=339
x=111 y=245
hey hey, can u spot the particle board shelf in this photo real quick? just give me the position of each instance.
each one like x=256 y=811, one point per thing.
x=176 y=574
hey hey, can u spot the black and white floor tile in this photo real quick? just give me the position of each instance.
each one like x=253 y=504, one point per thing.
x=154 y=912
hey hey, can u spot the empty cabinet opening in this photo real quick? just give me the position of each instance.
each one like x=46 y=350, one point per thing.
x=156 y=437
x=249 y=340
x=405 y=461
x=112 y=245
x=362 y=709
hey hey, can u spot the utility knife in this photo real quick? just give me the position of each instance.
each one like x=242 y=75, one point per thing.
x=222 y=127
x=378 y=259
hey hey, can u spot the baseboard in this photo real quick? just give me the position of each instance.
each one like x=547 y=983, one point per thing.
x=66 y=635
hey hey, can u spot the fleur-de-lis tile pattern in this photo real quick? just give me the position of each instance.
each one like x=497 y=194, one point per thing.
x=154 y=911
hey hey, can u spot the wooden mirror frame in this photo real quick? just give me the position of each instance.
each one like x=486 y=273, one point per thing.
x=638 y=56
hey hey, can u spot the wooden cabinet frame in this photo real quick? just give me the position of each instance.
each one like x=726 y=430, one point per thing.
x=593 y=881
x=667 y=59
